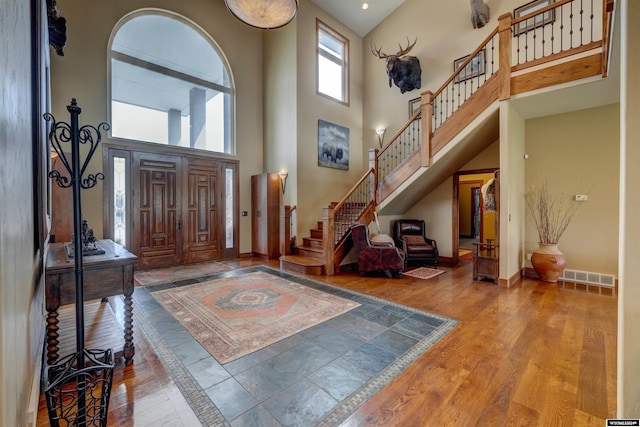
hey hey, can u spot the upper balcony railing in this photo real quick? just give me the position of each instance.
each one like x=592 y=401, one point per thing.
x=556 y=30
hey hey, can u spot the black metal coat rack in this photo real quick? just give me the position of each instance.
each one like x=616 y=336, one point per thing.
x=64 y=132
x=90 y=408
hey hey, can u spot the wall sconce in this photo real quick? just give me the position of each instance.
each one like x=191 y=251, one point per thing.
x=380 y=132
x=264 y=14
x=283 y=179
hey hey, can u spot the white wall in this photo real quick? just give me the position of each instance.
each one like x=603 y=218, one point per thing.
x=629 y=285
x=512 y=139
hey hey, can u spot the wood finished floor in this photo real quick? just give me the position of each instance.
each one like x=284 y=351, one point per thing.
x=536 y=354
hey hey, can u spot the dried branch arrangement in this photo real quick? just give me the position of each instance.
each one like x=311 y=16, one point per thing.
x=551 y=216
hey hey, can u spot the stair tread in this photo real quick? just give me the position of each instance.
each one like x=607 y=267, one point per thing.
x=309 y=248
x=302 y=260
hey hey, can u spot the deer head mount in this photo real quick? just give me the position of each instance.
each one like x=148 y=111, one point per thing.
x=403 y=70
x=480 y=13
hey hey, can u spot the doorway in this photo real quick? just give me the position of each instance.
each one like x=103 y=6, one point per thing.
x=474 y=221
x=172 y=209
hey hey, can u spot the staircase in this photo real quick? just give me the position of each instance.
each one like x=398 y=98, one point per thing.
x=309 y=258
x=456 y=107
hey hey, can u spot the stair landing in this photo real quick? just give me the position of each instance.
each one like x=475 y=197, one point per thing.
x=302 y=264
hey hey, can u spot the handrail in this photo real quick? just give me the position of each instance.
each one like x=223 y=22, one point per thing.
x=353 y=189
x=447 y=100
x=353 y=206
x=403 y=144
x=550 y=6
x=467 y=61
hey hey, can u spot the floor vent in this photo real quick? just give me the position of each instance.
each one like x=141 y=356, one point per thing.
x=589 y=278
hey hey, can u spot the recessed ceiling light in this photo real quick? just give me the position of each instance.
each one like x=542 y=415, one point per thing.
x=365 y=6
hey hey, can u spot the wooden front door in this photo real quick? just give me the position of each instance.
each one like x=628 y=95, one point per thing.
x=157 y=209
x=201 y=211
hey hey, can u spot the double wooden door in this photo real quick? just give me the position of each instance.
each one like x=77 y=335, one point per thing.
x=177 y=214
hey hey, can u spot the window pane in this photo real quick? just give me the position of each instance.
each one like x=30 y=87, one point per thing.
x=169 y=85
x=330 y=44
x=119 y=201
x=229 y=208
x=143 y=124
x=330 y=78
x=332 y=63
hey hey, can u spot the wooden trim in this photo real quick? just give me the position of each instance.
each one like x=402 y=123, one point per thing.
x=556 y=56
x=507 y=283
x=554 y=4
x=455 y=209
x=472 y=108
x=401 y=173
x=562 y=73
x=455 y=213
x=607 y=26
x=504 y=55
x=327 y=240
x=427 y=128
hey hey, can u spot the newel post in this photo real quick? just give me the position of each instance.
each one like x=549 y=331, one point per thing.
x=285 y=230
x=373 y=164
x=327 y=240
x=504 y=56
x=426 y=113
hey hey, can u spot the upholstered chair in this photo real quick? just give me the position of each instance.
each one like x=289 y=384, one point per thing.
x=388 y=259
x=411 y=237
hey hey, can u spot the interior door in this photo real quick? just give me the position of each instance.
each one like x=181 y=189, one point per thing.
x=156 y=209
x=202 y=210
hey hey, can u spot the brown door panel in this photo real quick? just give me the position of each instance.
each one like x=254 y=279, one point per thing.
x=202 y=223
x=156 y=206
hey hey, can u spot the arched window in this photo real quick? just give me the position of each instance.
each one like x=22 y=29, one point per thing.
x=170 y=84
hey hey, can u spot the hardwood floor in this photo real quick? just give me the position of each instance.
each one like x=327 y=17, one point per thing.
x=536 y=354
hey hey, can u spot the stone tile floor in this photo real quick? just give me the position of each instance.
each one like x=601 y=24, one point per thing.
x=301 y=379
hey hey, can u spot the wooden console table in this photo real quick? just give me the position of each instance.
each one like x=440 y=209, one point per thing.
x=103 y=275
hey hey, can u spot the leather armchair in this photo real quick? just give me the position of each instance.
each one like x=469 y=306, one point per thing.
x=410 y=235
x=389 y=259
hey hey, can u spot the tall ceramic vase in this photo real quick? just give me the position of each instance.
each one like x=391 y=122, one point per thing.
x=548 y=262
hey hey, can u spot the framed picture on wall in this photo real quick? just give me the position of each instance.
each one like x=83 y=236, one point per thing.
x=414 y=106
x=333 y=145
x=539 y=20
x=474 y=68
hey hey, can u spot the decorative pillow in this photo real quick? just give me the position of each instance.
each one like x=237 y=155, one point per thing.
x=414 y=240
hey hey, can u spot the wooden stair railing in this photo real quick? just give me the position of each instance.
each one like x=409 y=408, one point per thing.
x=507 y=62
x=357 y=205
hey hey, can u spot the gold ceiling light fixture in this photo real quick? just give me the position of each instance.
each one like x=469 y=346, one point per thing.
x=263 y=14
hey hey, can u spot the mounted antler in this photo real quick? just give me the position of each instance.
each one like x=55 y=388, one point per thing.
x=405 y=71
x=403 y=51
x=407 y=49
x=376 y=52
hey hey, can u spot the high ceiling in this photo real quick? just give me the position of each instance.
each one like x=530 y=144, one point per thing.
x=351 y=13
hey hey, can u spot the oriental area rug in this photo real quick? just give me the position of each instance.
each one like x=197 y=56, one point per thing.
x=234 y=316
x=347 y=347
x=423 y=273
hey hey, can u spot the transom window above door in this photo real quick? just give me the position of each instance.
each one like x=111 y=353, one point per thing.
x=170 y=84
